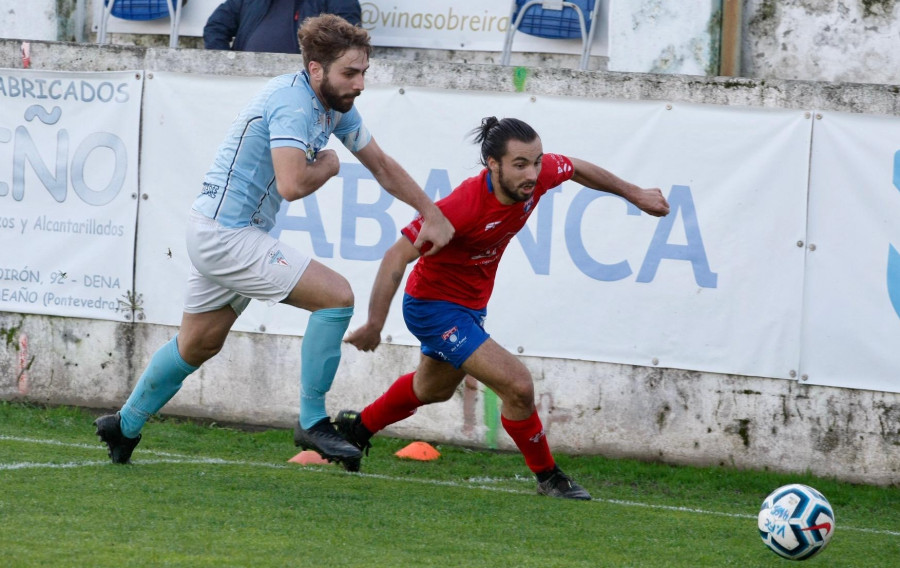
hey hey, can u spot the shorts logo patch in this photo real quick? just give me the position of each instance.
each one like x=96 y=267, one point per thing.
x=451 y=335
x=276 y=257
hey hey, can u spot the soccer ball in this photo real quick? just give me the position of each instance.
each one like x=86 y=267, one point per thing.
x=796 y=522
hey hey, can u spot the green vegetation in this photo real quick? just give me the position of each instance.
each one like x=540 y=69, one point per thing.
x=204 y=495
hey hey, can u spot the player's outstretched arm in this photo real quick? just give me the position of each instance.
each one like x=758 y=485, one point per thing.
x=390 y=275
x=436 y=229
x=590 y=175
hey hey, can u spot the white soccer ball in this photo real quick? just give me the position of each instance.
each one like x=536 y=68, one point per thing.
x=796 y=522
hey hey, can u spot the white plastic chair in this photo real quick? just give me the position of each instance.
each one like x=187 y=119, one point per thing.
x=142 y=10
x=555 y=19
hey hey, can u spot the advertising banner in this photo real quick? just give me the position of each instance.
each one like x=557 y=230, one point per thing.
x=714 y=286
x=750 y=273
x=68 y=192
x=709 y=287
x=185 y=118
x=851 y=316
x=466 y=25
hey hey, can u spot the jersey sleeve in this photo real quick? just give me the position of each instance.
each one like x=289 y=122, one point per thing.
x=288 y=121
x=411 y=231
x=351 y=131
x=455 y=209
x=555 y=169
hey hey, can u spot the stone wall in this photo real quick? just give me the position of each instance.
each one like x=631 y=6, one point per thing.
x=851 y=41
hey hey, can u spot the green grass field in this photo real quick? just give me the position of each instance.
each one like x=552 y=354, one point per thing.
x=202 y=495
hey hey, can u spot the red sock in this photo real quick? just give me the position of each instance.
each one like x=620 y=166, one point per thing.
x=529 y=436
x=397 y=403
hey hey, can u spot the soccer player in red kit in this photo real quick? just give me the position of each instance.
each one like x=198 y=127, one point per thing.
x=447 y=293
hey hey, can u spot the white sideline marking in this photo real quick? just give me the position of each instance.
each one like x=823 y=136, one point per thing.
x=180 y=458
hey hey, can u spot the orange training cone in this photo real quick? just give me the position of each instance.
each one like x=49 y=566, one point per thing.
x=421 y=451
x=309 y=457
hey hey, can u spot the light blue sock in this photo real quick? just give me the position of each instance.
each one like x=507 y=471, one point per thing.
x=158 y=384
x=320 y=355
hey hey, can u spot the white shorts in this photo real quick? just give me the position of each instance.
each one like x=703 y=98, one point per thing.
x=229 y=267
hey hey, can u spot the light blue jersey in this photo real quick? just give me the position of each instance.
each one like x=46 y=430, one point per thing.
x=239 y=189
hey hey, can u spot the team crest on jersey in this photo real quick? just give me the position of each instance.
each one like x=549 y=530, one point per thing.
x=529 y=204
x=491 y=225
x=451 y=335
x=276 y=257
x=209 y=189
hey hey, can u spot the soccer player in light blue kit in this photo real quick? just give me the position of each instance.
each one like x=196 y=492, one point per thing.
x=275 y=151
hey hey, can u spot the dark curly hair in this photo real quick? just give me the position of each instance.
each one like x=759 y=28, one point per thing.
x=325 y=38
x=493 y=135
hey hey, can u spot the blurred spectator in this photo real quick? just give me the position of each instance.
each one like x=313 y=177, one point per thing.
x=269 y=25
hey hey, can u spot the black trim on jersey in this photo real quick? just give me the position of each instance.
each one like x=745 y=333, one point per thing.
x=262 y=199
x=237 y=151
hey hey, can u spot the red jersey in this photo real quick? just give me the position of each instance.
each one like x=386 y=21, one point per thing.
x=463 y=271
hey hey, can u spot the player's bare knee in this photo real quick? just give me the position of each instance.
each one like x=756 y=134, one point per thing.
x=520 y=394
x=445 y=395
x=347 y=299
x=199 y=351
x=343 y=295
x=210 y=348
x=433 y=396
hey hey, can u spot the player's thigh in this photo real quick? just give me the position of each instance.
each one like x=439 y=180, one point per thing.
x=320 y=287
x=436 y=381
x=500 y=370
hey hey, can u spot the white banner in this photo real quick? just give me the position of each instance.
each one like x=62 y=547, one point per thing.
x=851 y=324
x=185 y=118
x=468 y=25
x=68 y=192
x=710 y=287
x=716 y=286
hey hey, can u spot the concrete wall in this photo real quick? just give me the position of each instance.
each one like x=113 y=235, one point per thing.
x=854 y=41
x=35 y=19
x=822 y=40
x=817 y=40
x=649 y=413
x=660 y=36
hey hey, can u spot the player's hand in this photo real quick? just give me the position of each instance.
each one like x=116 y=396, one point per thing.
x=651 y=201
x=329 y=160
x=435 y=233
x=366 y=338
